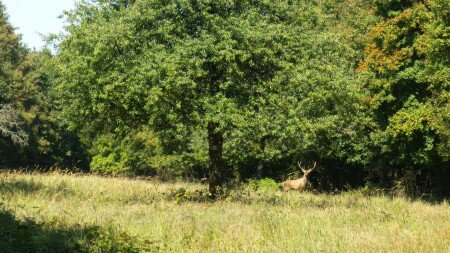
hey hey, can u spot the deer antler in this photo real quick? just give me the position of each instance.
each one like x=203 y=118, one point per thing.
x=305 y=170
x=315 y=163
x=300 y=166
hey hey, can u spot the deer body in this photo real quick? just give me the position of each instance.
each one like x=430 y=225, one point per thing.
x=298 y=184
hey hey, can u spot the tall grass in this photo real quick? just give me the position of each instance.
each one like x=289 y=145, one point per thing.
x=85 y=213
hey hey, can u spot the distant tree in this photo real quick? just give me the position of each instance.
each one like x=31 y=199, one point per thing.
x=49 y=143
x=10 y=125
x=11 y=54
x=30 y=131
x=408 y=57
x=11 y=131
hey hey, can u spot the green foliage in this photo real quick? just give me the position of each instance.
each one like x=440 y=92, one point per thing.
x=11 y=131
x=182 y=195
x=141 y=153
x=274 y=80
x=407 y=56
x=10 y=125
x=31 y=133
x=241 y=89
x=11 y=53
x=133 y=152
x=264 y=184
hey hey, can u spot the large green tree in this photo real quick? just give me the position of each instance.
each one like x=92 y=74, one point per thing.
x=237 y=74
x=183 y=66
x=408 y=58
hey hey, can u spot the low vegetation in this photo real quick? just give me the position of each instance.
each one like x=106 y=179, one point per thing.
x=57 y=212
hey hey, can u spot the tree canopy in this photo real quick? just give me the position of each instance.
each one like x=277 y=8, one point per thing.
x=30 y=133
x=407 y=55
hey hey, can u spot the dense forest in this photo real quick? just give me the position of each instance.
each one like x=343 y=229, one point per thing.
x=236 y=89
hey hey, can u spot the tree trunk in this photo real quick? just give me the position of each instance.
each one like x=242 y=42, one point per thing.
x=260 y=166
x=216 y=173
x=259 y=169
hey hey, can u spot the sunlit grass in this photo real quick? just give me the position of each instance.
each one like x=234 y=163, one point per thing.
x=158 y=217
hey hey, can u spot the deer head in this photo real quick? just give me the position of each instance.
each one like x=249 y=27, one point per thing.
x=306 y=171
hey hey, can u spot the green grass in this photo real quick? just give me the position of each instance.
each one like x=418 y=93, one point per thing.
x=80 y=213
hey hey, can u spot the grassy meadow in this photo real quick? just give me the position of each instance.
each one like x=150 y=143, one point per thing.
x=57 y=212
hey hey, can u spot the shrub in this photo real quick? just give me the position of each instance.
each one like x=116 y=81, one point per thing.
x=133 y=152
x=264 y=184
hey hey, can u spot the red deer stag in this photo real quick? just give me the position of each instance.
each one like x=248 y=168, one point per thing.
x=298 y=184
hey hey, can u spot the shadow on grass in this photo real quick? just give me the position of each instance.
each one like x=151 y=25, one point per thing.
x=20 y=185
x=237 y=195
x=274 y=197
x=29 y=187
x=26 y=235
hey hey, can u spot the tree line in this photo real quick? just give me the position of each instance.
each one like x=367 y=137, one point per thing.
x=231 y=90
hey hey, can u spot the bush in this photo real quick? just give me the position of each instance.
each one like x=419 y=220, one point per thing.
x=181 y=195
x=264 y=184
x=133 y=153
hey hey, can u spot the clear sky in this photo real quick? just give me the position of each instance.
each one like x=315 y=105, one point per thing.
x=34 y=17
